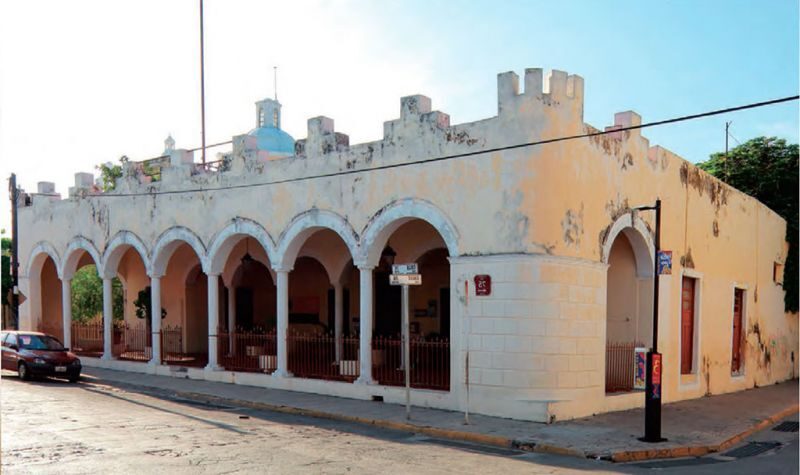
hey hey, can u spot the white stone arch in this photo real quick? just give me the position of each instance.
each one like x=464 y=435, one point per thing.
x=72 y=257
x=306 y=224
x=36 y=258
x=168 y=242
x=224 y=242
x=117 y=247
x=634 y=228
x=386 y=221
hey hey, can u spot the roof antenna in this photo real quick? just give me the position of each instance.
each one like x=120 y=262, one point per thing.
x=275 y=81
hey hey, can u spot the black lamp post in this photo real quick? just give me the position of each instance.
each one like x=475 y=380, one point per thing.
x=655 y=370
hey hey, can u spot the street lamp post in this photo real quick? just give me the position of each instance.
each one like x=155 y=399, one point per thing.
x=652 y=397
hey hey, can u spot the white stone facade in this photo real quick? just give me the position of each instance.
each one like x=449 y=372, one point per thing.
x=541 y=221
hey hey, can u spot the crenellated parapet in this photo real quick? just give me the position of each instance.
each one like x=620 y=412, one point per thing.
x=543 y=105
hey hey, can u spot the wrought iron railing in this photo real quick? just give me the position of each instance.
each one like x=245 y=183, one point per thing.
x=315 y=356
x=430 y=362
x=620 y=366
x=253 y=351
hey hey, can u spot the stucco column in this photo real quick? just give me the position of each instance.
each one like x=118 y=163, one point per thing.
x=66 y=311
x=231 y=318
x=155 y=324
x=108 y=317
x=338 y=309
x=365 y=325
x=213 y=320
x=283 y=322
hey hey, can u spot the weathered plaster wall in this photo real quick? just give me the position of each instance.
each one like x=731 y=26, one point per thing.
x=549 y=208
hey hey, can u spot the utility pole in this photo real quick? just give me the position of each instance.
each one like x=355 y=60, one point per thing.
x=727 y=134
x=202 y=89
x=13 y=193
x=655 y=370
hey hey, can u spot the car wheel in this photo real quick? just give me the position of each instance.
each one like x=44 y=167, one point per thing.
x=23 y=372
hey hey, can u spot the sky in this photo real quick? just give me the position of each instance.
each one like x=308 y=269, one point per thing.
x=85 y=82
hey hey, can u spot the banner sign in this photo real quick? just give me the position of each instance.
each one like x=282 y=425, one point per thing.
x=656 y=376
x=664 y=262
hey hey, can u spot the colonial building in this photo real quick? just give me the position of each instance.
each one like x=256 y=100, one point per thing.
x=270 y=267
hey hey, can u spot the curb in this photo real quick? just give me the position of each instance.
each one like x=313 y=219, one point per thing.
x=472 y=437
x=700 y=450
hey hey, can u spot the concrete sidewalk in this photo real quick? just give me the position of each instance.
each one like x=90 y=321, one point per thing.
x=695 y=427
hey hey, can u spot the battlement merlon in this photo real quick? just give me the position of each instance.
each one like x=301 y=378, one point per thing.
x=555 y=89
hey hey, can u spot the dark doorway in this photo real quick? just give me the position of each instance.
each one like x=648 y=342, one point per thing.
x=387 y=306
x=444 y=305
x=244 y=308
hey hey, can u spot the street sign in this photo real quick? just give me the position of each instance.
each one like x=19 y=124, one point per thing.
x=483 y=285
x=405 y=269
x=405 y=279
x=664 y=262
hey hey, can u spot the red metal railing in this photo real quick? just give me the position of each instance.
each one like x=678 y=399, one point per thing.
x=314 y=356
x=87 y=338
x=247 y=351
x=132 y=342
x=620 y=366
x=430 y=362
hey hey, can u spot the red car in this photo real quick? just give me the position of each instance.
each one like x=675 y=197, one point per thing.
x=36 y=354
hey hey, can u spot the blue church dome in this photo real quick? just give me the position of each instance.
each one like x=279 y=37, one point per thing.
x=273 y=139
x=268 y=131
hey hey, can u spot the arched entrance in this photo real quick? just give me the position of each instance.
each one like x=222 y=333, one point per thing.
x=125 y=260
x=184 y=300
x=246 y=336
x=629 y=306
x=46 y=298
x=320 y=309
x=413 y=241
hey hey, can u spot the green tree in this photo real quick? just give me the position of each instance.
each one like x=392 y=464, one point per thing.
x=143 y=307
x=767 y=169
x=6 y=269
x=110 y=172
x=87 y=295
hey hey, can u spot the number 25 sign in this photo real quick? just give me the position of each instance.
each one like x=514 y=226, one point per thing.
x=483 y=284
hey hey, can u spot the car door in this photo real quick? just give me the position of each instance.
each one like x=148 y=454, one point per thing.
x=9 y=355
x=4 y=350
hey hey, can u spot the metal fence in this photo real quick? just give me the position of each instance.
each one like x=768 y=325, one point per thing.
x=430 y=362
x=315 y=356
x=87 y=338
x=132 y=343
x=620 y=366
x=251 y=351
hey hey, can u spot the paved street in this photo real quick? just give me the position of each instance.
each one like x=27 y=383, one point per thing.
x=57 y=427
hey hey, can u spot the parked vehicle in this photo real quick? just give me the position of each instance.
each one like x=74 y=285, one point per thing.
x=37 y=354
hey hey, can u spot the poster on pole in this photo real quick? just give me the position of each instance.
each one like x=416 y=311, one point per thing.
x=640 y=368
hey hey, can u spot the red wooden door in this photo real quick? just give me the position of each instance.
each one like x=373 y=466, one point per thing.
x=736 y=356
x=687 y=325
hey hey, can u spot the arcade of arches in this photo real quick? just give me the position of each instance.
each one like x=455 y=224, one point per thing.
x=325 y=308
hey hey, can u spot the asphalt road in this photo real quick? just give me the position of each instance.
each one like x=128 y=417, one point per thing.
x=56 y=427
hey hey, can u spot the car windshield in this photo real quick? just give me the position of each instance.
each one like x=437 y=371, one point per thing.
x=39 y=342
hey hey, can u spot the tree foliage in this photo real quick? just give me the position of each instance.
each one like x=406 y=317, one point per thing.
x=110 y=172
x=6 y=270
x=767 y=169
x=87 y=295
x=143 y=307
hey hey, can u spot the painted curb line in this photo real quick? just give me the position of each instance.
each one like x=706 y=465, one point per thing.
x=527 y=445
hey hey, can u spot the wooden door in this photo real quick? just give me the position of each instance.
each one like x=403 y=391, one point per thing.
x=736 y=356
x=687 y=324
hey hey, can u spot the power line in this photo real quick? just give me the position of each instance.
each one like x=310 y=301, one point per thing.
x=459 y=155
